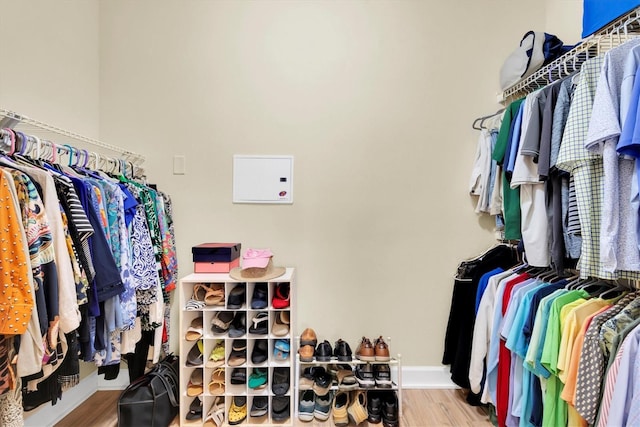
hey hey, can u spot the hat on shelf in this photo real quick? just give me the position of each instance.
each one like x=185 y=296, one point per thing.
x=257 y=266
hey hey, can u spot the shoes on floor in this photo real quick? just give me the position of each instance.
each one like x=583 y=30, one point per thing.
x=390 y=410
x=374 y=407
x=306 y=406
x=340 y=406
x=322 y=407
x=357 y=410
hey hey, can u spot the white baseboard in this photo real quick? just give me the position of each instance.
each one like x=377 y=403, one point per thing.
x=426 y=377
x=49 y=415
x=413 y=377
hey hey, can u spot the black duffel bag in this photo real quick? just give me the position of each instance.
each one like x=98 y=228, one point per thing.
x=153 y=400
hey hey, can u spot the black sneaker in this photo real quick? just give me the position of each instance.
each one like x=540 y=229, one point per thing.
x=382 y=374
x=323 y=351
x=342 y=351
x=390 y=410
x=236 y=298
x=374 y=407
x=259 y=296
x=364 y=375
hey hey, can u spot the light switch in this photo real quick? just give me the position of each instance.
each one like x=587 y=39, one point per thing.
x=179 y=164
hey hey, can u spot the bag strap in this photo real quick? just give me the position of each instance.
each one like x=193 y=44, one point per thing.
x=170 y=384
x=529 y=52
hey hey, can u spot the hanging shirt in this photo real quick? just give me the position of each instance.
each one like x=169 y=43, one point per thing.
x=618 y=240
x=511 y=197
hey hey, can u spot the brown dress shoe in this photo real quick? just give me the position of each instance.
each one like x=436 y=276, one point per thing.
x=306 y=353
x=365 y=351
x=308 y=337
x=382 y=351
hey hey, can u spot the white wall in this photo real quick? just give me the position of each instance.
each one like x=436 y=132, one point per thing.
x=50 y=62
x=375 y=101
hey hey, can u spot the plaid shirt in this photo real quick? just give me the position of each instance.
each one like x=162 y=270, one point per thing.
x=588 y=173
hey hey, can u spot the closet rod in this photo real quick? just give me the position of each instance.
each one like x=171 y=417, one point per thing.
x=12 y=119
x=614 y=34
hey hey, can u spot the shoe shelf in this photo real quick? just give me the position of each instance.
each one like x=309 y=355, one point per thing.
x=230 y=362
x=394 y=387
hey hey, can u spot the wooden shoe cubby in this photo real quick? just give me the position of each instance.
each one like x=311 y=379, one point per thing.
x=210 y=338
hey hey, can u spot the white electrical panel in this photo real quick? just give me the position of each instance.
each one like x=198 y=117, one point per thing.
x=262 y=179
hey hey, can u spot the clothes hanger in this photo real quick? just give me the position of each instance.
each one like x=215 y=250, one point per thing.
x=483 y=118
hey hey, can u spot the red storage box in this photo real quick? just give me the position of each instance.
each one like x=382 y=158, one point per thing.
x=215 y=267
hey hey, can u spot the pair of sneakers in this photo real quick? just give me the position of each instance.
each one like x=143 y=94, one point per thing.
x=314 y=406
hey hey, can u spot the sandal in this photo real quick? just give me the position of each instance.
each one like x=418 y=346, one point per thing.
x=214 y=294
x=194 y=357
x=221 y=321
x=281 y=324
x=216 y=358
x=239 y=325
x=346 y=380
x=281 y=350
x=238 y=355
x=215 y=416
x=217 y=383
x=281 y=297
x=239 y=376
x=194 y=332
x=260 y=324
x=238 y=410
x=258 y=378
x=195 y=385
x=199 y=292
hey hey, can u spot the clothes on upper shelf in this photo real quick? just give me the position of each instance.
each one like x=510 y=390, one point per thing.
x=92 y=259
x=551 y=351
x=568 y=155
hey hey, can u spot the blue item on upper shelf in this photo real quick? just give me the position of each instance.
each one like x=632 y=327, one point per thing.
x=598 y=13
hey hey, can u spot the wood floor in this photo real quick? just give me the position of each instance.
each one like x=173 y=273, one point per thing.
x=421 y=408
